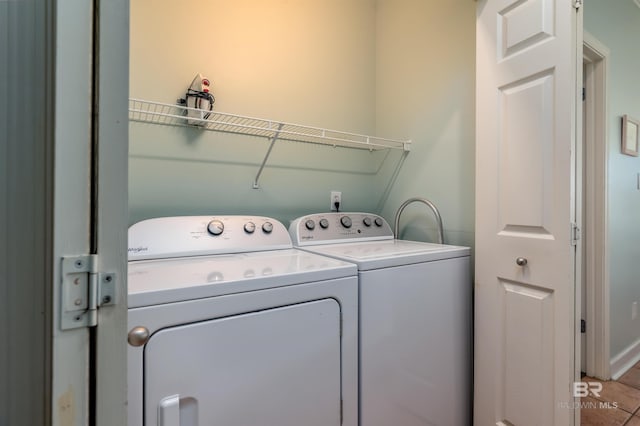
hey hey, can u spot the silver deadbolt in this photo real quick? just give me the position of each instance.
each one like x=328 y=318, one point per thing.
x=521 y=261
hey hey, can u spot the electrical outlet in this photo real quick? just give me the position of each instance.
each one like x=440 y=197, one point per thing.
x=634 y=310
x=336 y=197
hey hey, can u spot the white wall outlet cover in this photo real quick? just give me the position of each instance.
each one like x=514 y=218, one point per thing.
x=336 y=197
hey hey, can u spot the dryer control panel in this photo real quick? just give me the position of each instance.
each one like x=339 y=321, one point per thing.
x=182 y=236
x=330 y=228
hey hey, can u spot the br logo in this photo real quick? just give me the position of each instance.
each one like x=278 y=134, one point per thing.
x=582 y=389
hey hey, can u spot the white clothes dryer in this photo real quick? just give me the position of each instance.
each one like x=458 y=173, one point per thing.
x=229 y=325
x=415 y=307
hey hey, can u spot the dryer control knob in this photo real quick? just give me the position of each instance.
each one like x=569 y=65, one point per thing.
x=378 y=222
x=267 y=227
x=367 y=221
x=249 y=227
x=215 y=227
x=324 y=223
x=138 y=336
x=310 y=225
x=345 y=221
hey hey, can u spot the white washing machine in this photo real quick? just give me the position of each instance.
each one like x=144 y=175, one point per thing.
x=415 y=319
x=229 y=325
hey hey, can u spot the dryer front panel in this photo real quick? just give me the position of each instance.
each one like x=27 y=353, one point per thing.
x=276 y=367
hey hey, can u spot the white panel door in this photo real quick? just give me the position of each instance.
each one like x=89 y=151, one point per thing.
x=277 y=367
x=525 y=131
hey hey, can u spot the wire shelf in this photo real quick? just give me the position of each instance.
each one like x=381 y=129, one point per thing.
x=177 y=115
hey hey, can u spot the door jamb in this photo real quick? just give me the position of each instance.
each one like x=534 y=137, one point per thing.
x=596 y=255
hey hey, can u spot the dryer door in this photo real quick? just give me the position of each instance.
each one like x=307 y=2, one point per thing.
x=277 y=367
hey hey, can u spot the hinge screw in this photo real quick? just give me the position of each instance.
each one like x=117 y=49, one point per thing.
x=108 y=278
x=79 y=264
x=106 y=299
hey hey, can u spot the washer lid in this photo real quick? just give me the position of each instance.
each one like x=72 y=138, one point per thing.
x=388 y=253
x=153 y=282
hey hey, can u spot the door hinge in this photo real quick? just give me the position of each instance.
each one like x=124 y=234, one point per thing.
x=84 y=289
x=575 y=234
x=577 y=4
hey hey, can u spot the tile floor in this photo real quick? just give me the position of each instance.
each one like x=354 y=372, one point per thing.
x=618 y=403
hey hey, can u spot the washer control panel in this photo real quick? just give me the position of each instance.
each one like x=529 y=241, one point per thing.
x=182 y=236
x=326 y=228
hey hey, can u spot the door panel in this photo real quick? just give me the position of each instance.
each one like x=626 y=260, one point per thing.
x=523 y=24
x=528 y=359
x=525 y=128
x=526 y=145
x=278 y=367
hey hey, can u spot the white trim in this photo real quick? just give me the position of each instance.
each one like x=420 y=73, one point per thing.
x=596 y=255
x=112 y=216
x=72 y=199
x=625 y=360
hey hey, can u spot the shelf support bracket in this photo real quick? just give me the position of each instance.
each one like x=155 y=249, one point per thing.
x=272 y=140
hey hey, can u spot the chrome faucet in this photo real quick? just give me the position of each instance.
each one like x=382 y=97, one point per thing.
x=396 y=227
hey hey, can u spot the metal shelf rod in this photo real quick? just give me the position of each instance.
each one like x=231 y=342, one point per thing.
x=264 y=161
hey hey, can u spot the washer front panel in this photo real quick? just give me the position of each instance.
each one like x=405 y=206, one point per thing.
x=244 y=369
x=416 y=344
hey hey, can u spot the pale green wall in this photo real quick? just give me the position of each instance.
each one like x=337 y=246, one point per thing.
x=617 y=25
x=399 y=69
x=425 y=87
x=304 y=61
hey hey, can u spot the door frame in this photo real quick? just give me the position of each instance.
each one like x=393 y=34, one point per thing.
x=111 y=215
x=596 y=253
x=90 y=210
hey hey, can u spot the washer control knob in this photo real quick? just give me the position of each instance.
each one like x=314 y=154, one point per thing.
x=367 y=221
x=138 y=336
x=249 y=227
x=215 y=227
x=310 y=225
x=378 y=222
x=345 y=221
x=324 y=223
x=267 y=227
